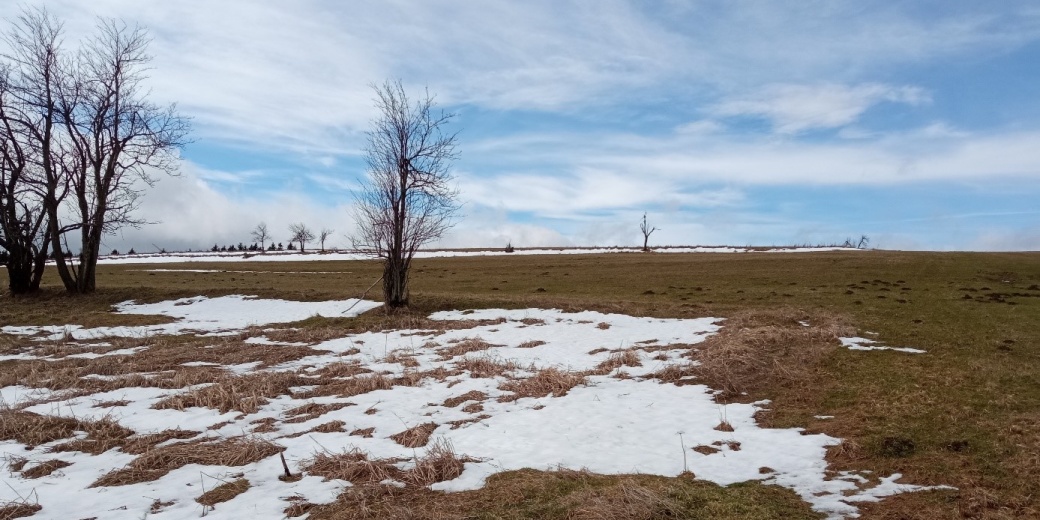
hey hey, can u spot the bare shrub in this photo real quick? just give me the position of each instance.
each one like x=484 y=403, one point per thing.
x=548 y=381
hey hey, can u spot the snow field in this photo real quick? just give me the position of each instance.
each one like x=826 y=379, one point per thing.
x=619 y=418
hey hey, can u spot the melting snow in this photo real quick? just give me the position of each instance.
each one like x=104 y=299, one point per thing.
x=869 y=344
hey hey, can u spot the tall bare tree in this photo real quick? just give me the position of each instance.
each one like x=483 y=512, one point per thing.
x=301 y=235
x=32 y=169
x=117 y=141
x=647 y=231
x=323 y=236
x=409 y=199
x=261 y=235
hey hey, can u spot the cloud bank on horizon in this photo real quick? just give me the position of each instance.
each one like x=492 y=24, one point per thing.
x=734 y=123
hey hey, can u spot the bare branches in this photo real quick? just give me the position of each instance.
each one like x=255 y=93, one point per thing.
x=647 y=231
x=323 y=236
x=301 y=235
x=409 y=199
x=261 y=235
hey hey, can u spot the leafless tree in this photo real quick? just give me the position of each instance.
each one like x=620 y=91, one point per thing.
x=32 y=171
x=647 y=231
x=117 y=141
x=261 y=235
x=323 y=236
x=408 y=200
x=301 y=235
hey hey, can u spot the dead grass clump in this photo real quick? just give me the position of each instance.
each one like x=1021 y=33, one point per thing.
x=473 y=408
x=154 y=464
x=364 y=432
x=349 y=387
x=312 y=411
x=341 y=369
x=353 y=466
x=472 y=395
x=19 y=509
x=223 y=492
x=758 y=349
x=34 y=429
x=405 y=360
x=111 y=404
x=329 y=427
x=15 y=463
x=677 y=374
x=486 y=366
x=142 y=443
x=243 y=393
x=463 y=347
x=437 y=464
x=45 y=468
x=616 y=360
x=602 y=325
x=265 y=425
x=532 y=321
x=548 y=381
x=531 y=344
x=416 y=436
x=102 y=435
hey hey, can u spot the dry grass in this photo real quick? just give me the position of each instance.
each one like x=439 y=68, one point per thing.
x=548 y=381
x=102 y=435
x=472 y=395
x=245 y=393
x=45 y=468
x=353 y=466
x=416 y=436
x=223 y=492
x=143 y=443
x=531 y=344
x=485 y=365
x=154 y=464
x=18 y=509
x=463 y=347
x=438 y=464
x=329 y=427
x=33 y=429
x=759 y=350
x=616 y=360
x=311 y=411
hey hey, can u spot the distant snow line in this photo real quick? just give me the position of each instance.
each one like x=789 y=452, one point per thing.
x=608 y=426
x=155 y=258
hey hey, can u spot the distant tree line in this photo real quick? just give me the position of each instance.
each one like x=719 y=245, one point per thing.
x=78 y=139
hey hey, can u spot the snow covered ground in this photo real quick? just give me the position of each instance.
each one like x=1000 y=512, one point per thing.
x=477 y=384
x=290 y=256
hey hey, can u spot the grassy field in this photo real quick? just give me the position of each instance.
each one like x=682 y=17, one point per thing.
x=966 y=414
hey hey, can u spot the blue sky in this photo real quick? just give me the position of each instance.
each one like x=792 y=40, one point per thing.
x=728 y=122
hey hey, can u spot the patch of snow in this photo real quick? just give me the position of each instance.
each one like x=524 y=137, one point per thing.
x=869 y=344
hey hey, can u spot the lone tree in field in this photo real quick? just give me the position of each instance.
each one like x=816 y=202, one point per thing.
x=647 y=231
x=323 y=236
x=301 y=235
x=409 y=199
x=260 y=234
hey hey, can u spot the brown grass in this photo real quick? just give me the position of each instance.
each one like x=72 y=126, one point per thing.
x=531 y=344
x=472 y=395
x=246 y=393
x=363 y=432
x=329 y=427
x=154 y=464
x=310 y=411
x=45 y=468
x=616 y=360
x=485 y=366
x=102 y=435
x=462 y=348
x=437 y=464
x=353 y=466
x=416 y=436
x=19 y=509
x=34 y=429
x=223 y=492
x=142 y=443
x=548 y=381
x=757 y=350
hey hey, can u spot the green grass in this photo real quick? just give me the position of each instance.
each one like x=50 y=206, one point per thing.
x=970 y=407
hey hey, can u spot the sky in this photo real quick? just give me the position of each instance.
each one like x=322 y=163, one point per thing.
x=727 y=122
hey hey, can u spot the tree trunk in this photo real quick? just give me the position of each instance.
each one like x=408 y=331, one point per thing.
x=395 y=284
x=646 y=240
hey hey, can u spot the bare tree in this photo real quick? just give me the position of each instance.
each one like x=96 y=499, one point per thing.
x=117 y=141
x=323 y=236
x=31 y=172
x=408 y=200
x=300 y=234
x=647 y=231
x=261 y=235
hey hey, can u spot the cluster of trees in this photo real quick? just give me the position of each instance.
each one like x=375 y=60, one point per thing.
x=79 y=141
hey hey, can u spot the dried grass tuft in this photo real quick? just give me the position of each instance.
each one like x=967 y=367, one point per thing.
x=33 y=429
x=531 y=344
x=548 y=381
x=416 y=436
x=18 y=509
x=758 y=349
x=353 y=466
x=486 y=366
x=102 y=435
x=463 y=347
x=45 y=468
x=616 y=360
x=154 y=464
x=437 y=464
x=472 y=395
x=223 y=492
x=243 y=393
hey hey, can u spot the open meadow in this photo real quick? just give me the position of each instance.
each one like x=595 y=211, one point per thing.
x=586 y=386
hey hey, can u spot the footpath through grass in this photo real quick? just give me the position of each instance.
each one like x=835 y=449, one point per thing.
x=965 y=414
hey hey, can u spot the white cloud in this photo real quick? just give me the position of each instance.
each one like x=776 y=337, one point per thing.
x=797 y=108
